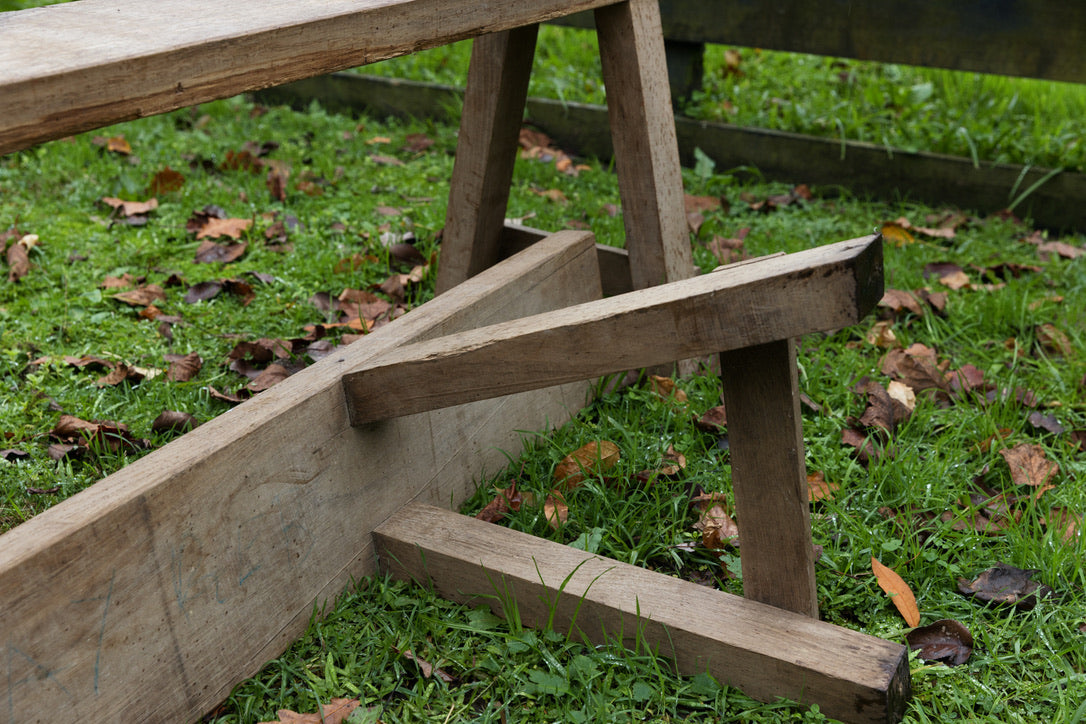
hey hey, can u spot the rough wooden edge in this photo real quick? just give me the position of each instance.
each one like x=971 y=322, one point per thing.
x=149 y=595
x=1030 y=38
x=764 y=651
x=863 y=167
x=776 y=298
x=486 y=150
x=614 y=262
x=77 y=66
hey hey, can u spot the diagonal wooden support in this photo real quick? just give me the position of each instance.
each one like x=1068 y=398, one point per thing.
x=764 y=651
x=773 y=299
x=149 y=595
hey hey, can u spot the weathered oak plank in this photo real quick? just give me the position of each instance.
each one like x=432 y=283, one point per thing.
x=769 y=475
x=766 y=652
x=149 y=595
x=77 y=66
x=646 y=152
x=486 y=150
x=777 y=298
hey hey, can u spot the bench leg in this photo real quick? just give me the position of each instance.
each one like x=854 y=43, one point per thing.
x=497 y=88
x=769 y=475
x=646 y=151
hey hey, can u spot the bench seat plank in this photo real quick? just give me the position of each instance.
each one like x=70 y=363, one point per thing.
x=74 y=67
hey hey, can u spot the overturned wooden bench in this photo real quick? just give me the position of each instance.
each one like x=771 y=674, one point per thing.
x=149 y=595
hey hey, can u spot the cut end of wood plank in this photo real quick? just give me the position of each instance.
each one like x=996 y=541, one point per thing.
x=764 y=651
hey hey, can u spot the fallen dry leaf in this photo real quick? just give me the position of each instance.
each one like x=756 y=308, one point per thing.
x=1028 y=464
x=209 y=252
x=1004 y=583
x=665 y=388
x=946 y=640
x=183 y=367
x=1054 y=341
x=173 y=421
x=214 y=228
x=505 y=500
x=142 y=296
x=18 y=257
x=131 y=208
x=818 y=487
x=428 y=669
x=900 y=594
x=555 y=510
x=1065 y=522
x=590 y=459
x=334 y=712
x=165 y=181
x=718 y=529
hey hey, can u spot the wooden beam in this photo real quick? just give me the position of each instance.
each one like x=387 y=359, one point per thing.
x=740 y=306
x=76 y=66
x=646 y=152
x=1029 y=38
x=486 y=151
x=149 y=595
x=614 y=262
x=766 y=652
x=769 y=475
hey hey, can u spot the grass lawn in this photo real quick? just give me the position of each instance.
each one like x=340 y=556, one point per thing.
x=944 y=435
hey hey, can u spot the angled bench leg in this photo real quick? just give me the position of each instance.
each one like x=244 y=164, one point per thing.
x=497 y=88
x=646 y=151
x=769 y=475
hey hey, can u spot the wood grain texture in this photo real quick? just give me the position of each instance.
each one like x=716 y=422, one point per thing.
x=1030 y=38
x=776 y=298
x=149 y=595
x=769 y=476
x=614 y=262
x=486 y=150
x=646 y=150
x=77 y=66
x=767 y=652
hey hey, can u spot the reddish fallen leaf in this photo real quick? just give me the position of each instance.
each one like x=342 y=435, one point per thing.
x=242 y=395
x=272 y=375
x=114 y=144
x=173 y=421
x=165 y=181
x=1004 y=583
x=183 y=367
x=505 y=500
x=718 y=529
x=714 y=419
x=899 y=592
x=665 y=388
x=18 y=257
x=915 y=367
x=866 y=451
x=1029 y=465
x=818 y=488
x=946 y=641
x=671 y=467
x=896 y=234
x=882 y=410
x=590 y=459
x=209 y=252
x=131 y=208
x=428 y=669
x=334 y=712
x=142 y=296
x=214 y=228
x=898 y=300
x=555 y=510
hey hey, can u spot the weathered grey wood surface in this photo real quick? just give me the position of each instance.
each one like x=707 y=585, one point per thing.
x=486 y=150
x=1030 y=38
x=769 y=475
x=646 y=152
x=149 y=595
x=76 y=66
x=749 y=304
x=764 y=651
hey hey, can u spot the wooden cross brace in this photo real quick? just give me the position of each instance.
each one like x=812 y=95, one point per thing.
x=748 y=313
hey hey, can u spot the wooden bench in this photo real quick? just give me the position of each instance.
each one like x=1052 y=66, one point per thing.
x=149 y=595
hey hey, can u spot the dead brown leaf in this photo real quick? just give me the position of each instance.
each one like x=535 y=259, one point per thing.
x=183 y=367
x=214 y=228
x=131 y=208
x=142 y=296
x=718 y=529
x=209 y=252
x=1004 y=583
x=819 y=488
x=900 y=594
x=334 y=712
x=505 y=500
x=1065 y=522
x=165 y=181
x=555 y=510
x=1054 y=341
x=18 y=257
x=1029 y=465
x=591 y=459
x=173 y=421
x=946 y=640
x=665 y=388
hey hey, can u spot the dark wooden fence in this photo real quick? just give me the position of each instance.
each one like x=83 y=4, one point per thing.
x=1043 y=39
